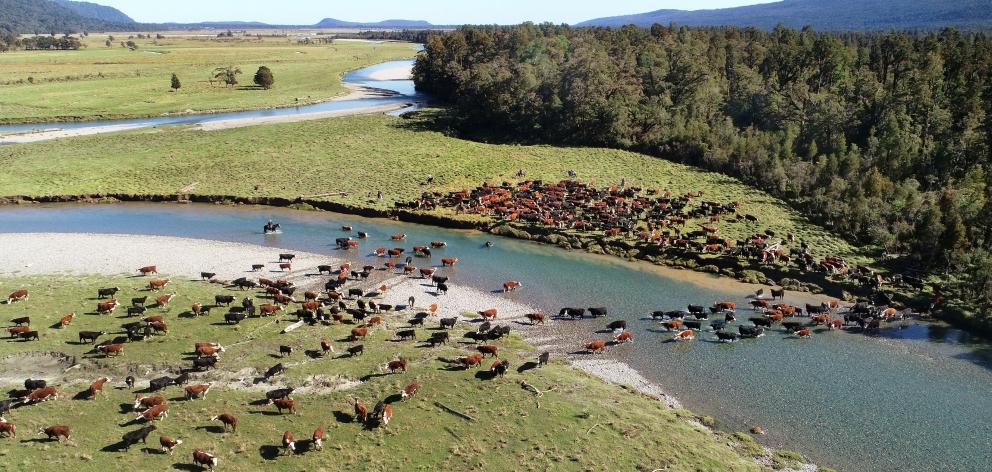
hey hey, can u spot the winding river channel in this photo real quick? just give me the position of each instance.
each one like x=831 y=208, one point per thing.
x=910 y=398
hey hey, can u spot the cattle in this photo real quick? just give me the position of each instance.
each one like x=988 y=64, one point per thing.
x=136 y=310
x=205 y=459
x=471 y=360
x=278 y=393
x=182 y=379
x=778 y=294
x=673 y=325
x=153 y=319
x=144 y=403
x=207 y=275
x=285 y=266
x=29 y=335
x=617 y=325
x=317 y=438
x=285 y=351
x=572 y=312
x=685 y=335
x=286 y=257
x=359 y=333
x=159 y=327
x=284 y=404
x=97 y=386
x=131 y=438
x=225 y=300
x=106 y=308
x=108 y=349
x=244 y=284
x=544 y=358
x=791 y=326
x=407 y=334
x=17 y=295
x=802 y=333
x=200 y=310
x=31 y=384
x=511 y=285
x=836 y=324
x=168 y=444
x=442 y=288
x=438 y=338
x=361 y=411
x=726 y=336
x=491 y=350
x=197 y=391
x=499 y=368
x=275 y=370
x=759 y=304
x=257 y=267
x=156 y=412
x=624 y=337
x=24 y=320
x=204 y=363
x=107 y=292
x=159 y=383
x=757 y=321
x=382 y=413
x=148 y=270
x=535 y=318
x=234 y=318
x=410 y=389
x=598 y=312
x=227 y=420
x=129 y=381
x=489 y=314
x=596 y=346
x=438 y=279
x=751 y=331
x=16 y=331
x=164 y=299
x=397 y=365
x=356 y=350
x=325 y=346
x=158 y=284
x=138 y=301
x=56 y=432
x=725 y=306
x=8 y=429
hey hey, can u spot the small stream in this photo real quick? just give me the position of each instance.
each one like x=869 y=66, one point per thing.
x=912 y=398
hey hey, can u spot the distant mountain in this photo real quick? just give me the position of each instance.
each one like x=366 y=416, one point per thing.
x=334 y=23
x=826 y=15
x=96 y=12
x=48 y=16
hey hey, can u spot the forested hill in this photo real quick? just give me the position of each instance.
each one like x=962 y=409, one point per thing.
x=885 y=138
x=47 y=16
x=832 y=15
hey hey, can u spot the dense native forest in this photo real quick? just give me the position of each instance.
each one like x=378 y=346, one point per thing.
x=885 y=138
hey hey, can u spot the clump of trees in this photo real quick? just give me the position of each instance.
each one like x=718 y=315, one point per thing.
x=64 y=43
x=264 y=78
x=884 y=138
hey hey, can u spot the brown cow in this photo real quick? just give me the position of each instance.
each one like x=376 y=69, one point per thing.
x=361 y=411
x=17 y=296
x=209 y=351
x=387 y=414
x=56 y=432
x=317 y=439
x=728 y=306
x=535 y=318
x=398 y=364
x=158 y=284
x=803 y=333
x=154 y=319
x=141 y=402
x=360 y=332
x=165 y=299
x=596 y=346
x=97 y=386
x=156 y=412
x=41 y=395
x=65 y=320
x=624 y=337
x=489 y=314
x=203 y=458
x=8 y=429
x=685 y=335
x=468 y=361
x=759 y=304
x=425 y=273
x=108 y=307
x=325 y=346
x=491 y=350
x=148 y=270
x=285 y=266
x=409 y=390
x=673 y=325
x=284 y=404
x=18 y=330
x=511 y=285
x=194 y=391
x=449 y=261
x=159 y=327
x=289 y=442
x=269 y=309
x=398 y=237
x=227 y=420
x=169 y=444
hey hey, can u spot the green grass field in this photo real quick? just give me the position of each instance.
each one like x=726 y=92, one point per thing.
x=580 y=423
x=98 y=82
x=361 y=155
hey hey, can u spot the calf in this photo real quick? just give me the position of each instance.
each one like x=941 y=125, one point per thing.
x=227 y=420
x=107 y=292
x=8 y=429
x=325 y=346
x=409 y=390
x=56 y=432
x=205 y=459
x=182 y=379
x=499 y=368
x=168 y=444
x=108 y=349
x=544 y=358
x=65 y=320
x=198 y=391
x=129 y=381
x=131 y=438
x=383 y=413
x=361 y=412
x=288 y=442
x=17 y=296
x=317 y=439
x=356 y=350
x=156 y=412
x=97 y=386
x=285 y=351
x=284 y=404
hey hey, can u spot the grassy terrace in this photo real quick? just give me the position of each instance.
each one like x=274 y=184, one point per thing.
x=359 y=155
x=98 y=82
x=580 y=423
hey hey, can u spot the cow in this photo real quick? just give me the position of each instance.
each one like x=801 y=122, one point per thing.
x=356 y=350
x=168 y=444
x=158 y=284
x=207 y=275
x=225 y=300
x=8 y=429
x=438 y=338
x=471 y=360
x=409 y=390
x=159 y=383
x=359 y=333
x=24 y=320
x=227 y=420
x=266 y=310
x=836 y=324
x=397 y=365
x=107 y=292
x=164 y=299
x=204 y=363
x=157 y=412
x=284 y=404
x=725 y=306
x=778 y=294
x=535 y=318
x=159 y=327
x=285 y=266
x=685 y=335
x=361 y=411
x=285 y=351
x=279 y=393
x=129 y=381
x=29 y=335
x=382 y=413
x=234 y=318
x=139 y=301
x=596 y=346
x=31 y=384
x=489 y=314
x=275 y=370
x=544 y=358
x=136 y=310
x=499 y=368
x=148 y=270
x=17 y=295
x=205 y=459
x=16 y=331
x=572 y=312
x=442 y=288
x=286 y=257
x=131 y=438
x=257 y=267
x=438 y=279
x=326 y=347
x=108 y=349
x=154 y=319
x=491 y=350
x=106 y=308
x=618 y=325
x=624 y=337
x=407 y=334
x=97 y=386
x=759 y=304
x=198 y=391
x=751 y=331
x=724 y=336
x=511 y=285
x=56 y=432
x=449 y=261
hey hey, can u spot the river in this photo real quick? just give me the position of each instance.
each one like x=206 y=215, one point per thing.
x=913 y=398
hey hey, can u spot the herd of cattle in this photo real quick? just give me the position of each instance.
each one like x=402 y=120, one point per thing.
x=652 y=217
x=343 y=300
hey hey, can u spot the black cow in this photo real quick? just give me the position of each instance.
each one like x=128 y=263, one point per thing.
x=90 y=336
x=792 y=326
x=275 y=370
x=132 y=437
x=139 y=301
x=244 y=283
x=278 y=394
x=758 y=321
x=658 y=315
x=726 y=337
x=5 y=406
x=501 y=368
x=225 y=300
x=204 y=363
x=24 y=320
x=439 y=338
x=182 y=379
x=356 y=350
x=29 y=336
x=207 y=275
x=447 y=323
x=234 y=318
x=136 y=310
x=693 y=309
x=442 y=288
x=407 y=334
x=544 y=358
x=355 y=292
x=617 y=325
x=750 y=331
x=129 y=381
x=31 y=384
x=155 y=385
x=286 y=257
x=438 y=279
x=572 y=312
x=693 y=324
x=285 y=351
x=325 y=268
x=598 y=312
x=107 y=292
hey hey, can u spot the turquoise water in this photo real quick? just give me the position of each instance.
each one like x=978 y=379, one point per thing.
x=907 y=399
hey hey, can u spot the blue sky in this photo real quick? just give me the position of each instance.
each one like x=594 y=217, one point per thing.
x=435 y=11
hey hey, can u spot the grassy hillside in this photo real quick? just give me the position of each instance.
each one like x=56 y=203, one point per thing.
x=580 y=423
x=47 y=16
x=362 y=156
x=113 y=82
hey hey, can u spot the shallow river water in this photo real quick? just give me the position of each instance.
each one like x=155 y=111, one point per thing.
x=914 y=398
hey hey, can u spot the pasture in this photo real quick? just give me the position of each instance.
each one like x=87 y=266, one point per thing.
x=362 y=156
x=579 y=423
x=100 y=82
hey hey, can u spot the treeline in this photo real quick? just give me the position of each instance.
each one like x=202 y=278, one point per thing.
x=10 y=41
x=885 y=138
x=413 y=36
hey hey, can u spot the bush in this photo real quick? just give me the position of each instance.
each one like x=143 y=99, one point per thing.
x=264 y=78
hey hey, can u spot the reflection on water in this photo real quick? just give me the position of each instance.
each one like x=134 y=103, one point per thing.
x=910 y=398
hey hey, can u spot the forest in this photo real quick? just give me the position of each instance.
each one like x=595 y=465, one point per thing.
x=885 y=138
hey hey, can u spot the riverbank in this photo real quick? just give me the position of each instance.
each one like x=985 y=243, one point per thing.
x=50 y=253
